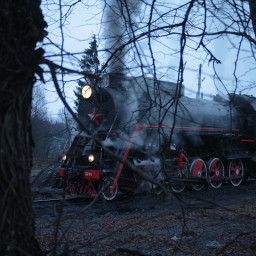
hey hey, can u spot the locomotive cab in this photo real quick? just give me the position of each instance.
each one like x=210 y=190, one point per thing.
x=246 y=106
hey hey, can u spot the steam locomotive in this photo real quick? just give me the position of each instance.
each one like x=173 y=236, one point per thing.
x=171 y=138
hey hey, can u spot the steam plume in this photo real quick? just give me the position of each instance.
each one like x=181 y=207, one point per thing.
x=118 y=17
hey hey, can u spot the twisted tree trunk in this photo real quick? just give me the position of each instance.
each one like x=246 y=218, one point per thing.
x=21 y=28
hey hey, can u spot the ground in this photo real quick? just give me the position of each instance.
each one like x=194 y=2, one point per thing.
x=209 y=222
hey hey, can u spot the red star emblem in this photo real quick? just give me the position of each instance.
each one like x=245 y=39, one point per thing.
x=95 y=117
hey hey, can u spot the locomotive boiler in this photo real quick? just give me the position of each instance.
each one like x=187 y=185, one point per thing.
x=171 y=138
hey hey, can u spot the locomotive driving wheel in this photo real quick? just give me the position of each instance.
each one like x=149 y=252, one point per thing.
x=198 y=170
x=179 y=185
x=236 y=172
x=215 y=172
x=108 y=192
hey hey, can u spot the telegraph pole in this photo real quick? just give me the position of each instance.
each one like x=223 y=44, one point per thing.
x=199 y=82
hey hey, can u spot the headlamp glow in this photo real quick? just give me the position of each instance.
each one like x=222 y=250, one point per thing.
x=87 y=92
x=91 y=158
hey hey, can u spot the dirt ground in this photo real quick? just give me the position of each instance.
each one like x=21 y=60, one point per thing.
x=209 y=222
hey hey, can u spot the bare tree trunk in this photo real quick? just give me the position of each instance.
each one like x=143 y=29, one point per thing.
x=21 y=28
x=252 y=4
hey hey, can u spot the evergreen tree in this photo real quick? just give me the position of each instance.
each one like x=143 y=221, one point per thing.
x=90 y=63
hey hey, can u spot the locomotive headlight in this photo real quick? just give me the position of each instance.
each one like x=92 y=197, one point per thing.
x=63 y=157
x=91 y=158
x=87 y=92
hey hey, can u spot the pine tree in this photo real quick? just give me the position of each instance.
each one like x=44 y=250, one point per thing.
x=90 y=63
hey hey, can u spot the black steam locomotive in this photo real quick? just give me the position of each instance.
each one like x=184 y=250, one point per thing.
x=171 y=138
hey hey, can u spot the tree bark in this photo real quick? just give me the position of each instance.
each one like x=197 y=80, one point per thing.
x=252 y=4
x=22 y=27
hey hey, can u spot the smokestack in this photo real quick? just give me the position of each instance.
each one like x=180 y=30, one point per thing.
x=118 y=16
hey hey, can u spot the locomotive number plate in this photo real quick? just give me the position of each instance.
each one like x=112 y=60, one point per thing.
x=91 y=174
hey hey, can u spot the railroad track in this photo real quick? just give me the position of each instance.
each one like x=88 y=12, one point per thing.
x=74 y=200
x=208 y=197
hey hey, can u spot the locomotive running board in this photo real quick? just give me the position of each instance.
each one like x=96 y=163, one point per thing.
x=231 y=157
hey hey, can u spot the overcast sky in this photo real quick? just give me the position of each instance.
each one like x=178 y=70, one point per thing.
x=84 y=20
